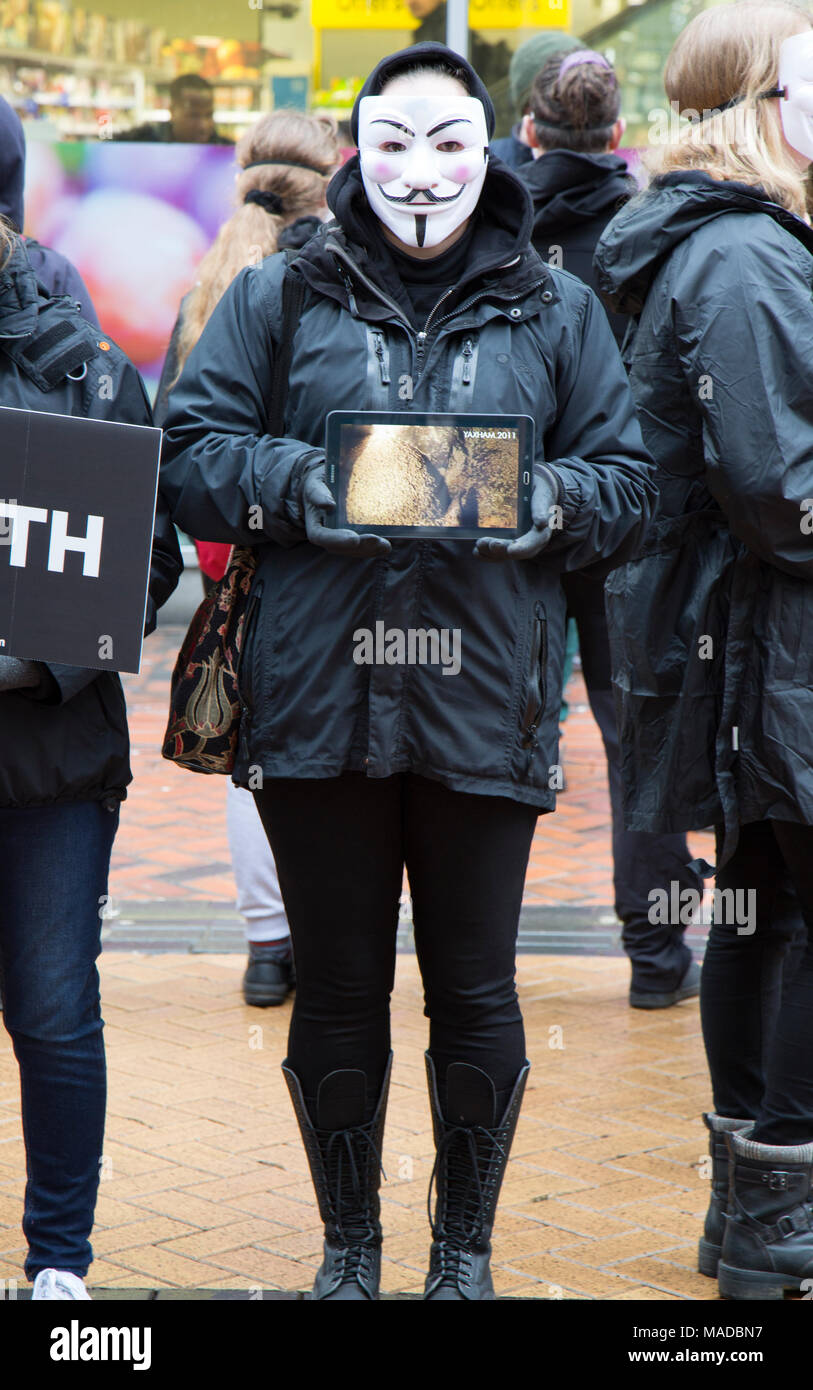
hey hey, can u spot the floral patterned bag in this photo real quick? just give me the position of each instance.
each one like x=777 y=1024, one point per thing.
x=204 y=711
x=204 y=705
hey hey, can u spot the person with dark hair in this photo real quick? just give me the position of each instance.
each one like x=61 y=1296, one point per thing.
x=532 y=55
x=424 y=294
x=54 y=271
x=191 y=116
x=577 y=183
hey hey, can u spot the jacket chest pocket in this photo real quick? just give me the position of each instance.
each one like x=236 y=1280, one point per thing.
x=533 y=709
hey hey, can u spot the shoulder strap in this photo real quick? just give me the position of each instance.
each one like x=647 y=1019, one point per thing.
x=293 y=290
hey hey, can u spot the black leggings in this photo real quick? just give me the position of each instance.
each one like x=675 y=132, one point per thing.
x=756 y=992
x=340 y=846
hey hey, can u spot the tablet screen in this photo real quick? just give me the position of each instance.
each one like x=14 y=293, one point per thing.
x=430 y=475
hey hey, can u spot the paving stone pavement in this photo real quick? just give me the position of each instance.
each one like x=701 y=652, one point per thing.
x=204 y=1181
x=205 y=1190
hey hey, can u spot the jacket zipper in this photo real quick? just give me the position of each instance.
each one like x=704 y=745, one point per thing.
x=468 y=353
x=535 y=704
x=424 y=335
x=383 y=356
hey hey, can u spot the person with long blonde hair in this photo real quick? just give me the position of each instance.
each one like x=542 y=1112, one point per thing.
x=712 y=623
x=285 y=161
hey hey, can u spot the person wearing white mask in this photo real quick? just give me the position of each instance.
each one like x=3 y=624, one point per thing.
x=712 y=625
x=423 y=294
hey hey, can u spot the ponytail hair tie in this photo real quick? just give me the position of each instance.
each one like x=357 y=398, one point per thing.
x=270 y=202
x=574 y=60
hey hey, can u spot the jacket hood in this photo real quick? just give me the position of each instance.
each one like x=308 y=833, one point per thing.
x=421 y=53
x=12 y=165
x=675 y=205
x=19 y=296
x=569 y=188
x=503 y=218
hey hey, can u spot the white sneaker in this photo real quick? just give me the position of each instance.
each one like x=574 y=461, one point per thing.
x=58 y=1283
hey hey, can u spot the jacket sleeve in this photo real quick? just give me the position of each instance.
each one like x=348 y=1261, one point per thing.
x=743 y=317
x=219 y=465
x=596 y=452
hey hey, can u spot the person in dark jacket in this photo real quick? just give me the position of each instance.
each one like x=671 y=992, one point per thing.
x=577 y=184
x=53 y=270
x=191 y=116
x=64 y=771
x=711 y=625
x=411 y=303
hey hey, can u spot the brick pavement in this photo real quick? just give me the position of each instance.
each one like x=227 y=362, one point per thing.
x=204 y=1179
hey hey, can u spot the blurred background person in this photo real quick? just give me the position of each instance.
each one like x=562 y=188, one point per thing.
x=285 y=160
x=191 y=116
x=53 y=271
x=571 y=129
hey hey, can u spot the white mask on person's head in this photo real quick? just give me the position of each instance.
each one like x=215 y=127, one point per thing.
x=423 y=162
x=796 y=77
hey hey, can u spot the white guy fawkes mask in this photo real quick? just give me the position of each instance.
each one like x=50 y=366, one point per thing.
x=423 y=162
x=796 y=76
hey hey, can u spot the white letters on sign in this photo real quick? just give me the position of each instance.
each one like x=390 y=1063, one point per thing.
x=89 y=545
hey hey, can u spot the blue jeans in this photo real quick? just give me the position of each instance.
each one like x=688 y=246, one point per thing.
x=54 y=864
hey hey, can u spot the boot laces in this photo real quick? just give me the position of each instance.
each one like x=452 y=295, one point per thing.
x=351 y=1159
x=467 y=1152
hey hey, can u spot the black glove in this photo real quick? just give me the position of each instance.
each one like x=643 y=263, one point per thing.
x=544 y=496
x=17 y=674
x=317 y=500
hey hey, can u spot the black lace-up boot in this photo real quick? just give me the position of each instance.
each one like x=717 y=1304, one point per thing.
x=344 y=1154
x=711 y=1241
x=768 y=1241
x=472 y=1155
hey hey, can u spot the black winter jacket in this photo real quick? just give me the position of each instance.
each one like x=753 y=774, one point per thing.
x=67 y=741
x=712 y=624
x=574 y=197
x=512 y=337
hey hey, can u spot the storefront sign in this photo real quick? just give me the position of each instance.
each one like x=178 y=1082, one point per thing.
x=483 y=14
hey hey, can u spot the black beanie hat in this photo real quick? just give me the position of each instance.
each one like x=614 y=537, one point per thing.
x=418 y=55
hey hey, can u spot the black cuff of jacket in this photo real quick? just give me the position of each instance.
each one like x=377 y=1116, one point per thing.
x=46 y=691
x=554 y=478
x=294 y=506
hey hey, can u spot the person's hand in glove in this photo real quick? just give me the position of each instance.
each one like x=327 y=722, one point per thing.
x=18 y=675
x=544 y=497
x=317 y=501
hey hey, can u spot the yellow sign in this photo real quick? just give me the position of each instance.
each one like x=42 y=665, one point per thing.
x=483 y=14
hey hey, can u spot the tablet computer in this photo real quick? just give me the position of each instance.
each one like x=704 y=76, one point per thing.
x=402 y=473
